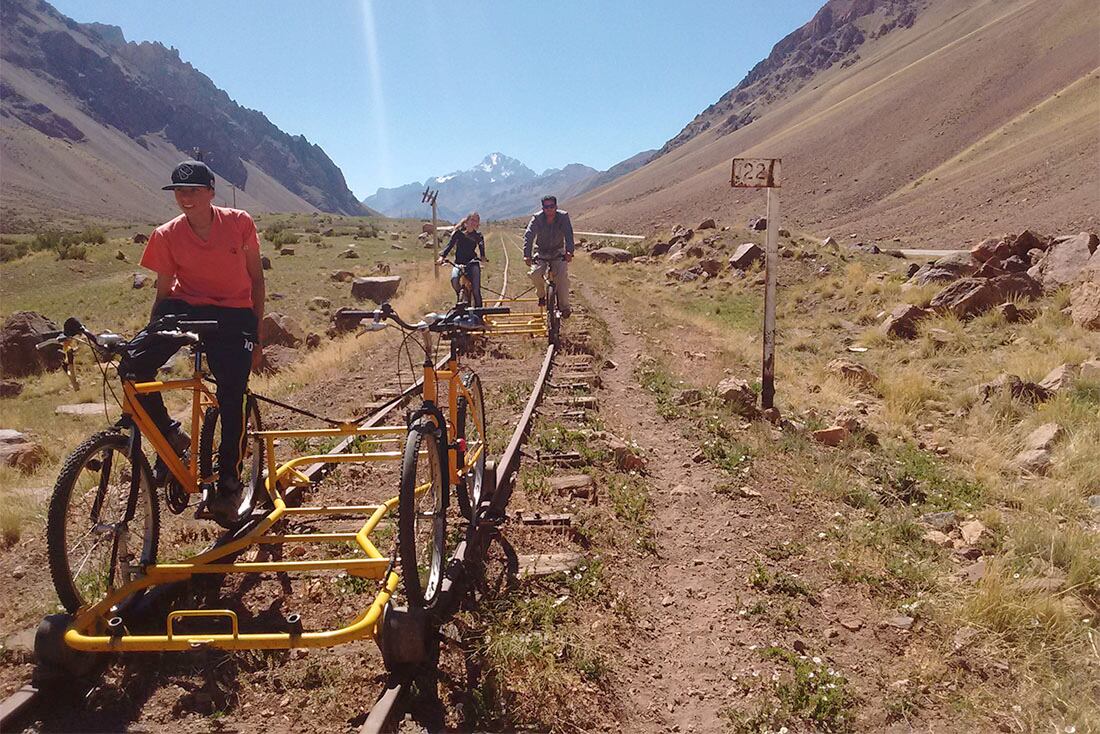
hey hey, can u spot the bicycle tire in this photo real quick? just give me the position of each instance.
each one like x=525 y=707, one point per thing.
x=252 y=469
x=553 y=320
x=75 y=589
x=471 y=491
x=421 y=545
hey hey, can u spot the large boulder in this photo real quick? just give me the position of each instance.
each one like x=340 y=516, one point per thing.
x=658 y=249
x=902 y=321
x=707 y=224
x=378 y=288
x=279 y=329
x=19 y=340
x=852 y=371
x=759 y=224
x=1067 y=261
x=970 y=297
x=745 y=255
x=946 y=269
x=611 y=255
x=1084 y=305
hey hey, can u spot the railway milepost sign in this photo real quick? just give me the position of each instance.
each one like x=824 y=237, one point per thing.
x=764 y=173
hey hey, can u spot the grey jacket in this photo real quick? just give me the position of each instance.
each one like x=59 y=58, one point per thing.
x=551 y=240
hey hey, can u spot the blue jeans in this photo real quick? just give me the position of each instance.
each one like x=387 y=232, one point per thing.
x=473 y=272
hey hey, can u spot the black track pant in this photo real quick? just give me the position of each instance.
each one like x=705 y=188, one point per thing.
x=229 y=355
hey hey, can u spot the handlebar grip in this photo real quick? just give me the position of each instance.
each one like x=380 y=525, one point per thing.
x=357 y=313
x=489 y=310
x=72 y=327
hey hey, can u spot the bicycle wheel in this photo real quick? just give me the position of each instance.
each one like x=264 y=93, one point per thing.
x=553 y=319
x=422 y=514
x=470 y=425
x=252 y=455
x=91 y=550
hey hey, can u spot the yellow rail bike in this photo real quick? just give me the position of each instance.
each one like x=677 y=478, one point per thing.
x=442 y=450
x=105 y=507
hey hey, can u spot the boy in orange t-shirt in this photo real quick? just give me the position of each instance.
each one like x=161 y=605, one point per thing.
x=207 y=262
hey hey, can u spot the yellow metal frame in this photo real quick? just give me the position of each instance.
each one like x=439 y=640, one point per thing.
x=518 y=322
x=88 y=631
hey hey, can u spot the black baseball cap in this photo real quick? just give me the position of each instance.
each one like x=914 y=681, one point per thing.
x=191 y=175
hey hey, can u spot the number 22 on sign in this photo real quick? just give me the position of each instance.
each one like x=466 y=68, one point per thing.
x=755 y=173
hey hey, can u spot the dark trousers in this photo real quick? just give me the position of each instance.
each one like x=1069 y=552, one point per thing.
x=229 y=355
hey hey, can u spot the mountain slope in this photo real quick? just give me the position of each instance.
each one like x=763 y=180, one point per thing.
x=91 y=124
x=971 y=117
x=498 y=188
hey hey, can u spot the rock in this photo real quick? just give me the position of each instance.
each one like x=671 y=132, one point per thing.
x=120 y=255
x=279 y=329
x=946 y=269
x=342 y=276
x=139 y=239
x=745 y=255
x=1059 y=378
x=1027 y=241
x=19 y=339
x=10 y=388
x=350 y=254
x=1033 y=461
x=739 y=395
x=1090 y=371
x=940 y=520
x=379 y=288
x=627 y=458
x=990 y=269
x=937 y=537
x=19 y=451
x=901 y=622
x=319 y=303
x=902 y=321
x=829 y=243
x=343 y=323
x=611 y=255
x=832 y=436
x=710 y=266
x=658 y=249
x=680 y=236
x=984 y=250
x=971 y=531
x=975 y=572
x=80 y=409
x=313 y=340
x=277 y=358
x=1047 y=584
x=852 y=624
x=759 y=224
x=1066 y=260
x=1043 y=437
x=140 y=279
x=707 y=224
x=1084 y=305
x=286 y=250
x=1014 y=264
x=853 y=372
x=265 y=262
x=1012 y=314
x=970 y=297
x=772 y=415
x=1094 y=501
x=1015 y=387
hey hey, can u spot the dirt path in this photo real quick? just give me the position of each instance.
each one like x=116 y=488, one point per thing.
x=681 y=656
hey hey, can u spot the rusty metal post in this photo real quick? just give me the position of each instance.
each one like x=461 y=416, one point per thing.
x=771 y=265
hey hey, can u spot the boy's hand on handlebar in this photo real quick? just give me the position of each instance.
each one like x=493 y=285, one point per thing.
x=569 y=257
x=527 y=260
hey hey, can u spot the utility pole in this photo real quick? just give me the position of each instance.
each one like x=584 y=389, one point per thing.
x=429 y=197
x=763 y=173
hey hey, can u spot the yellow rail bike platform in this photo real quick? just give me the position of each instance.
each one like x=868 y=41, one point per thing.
x=526 y=318
x=98 y=628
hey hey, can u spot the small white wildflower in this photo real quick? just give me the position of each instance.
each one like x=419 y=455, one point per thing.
x=816 y=659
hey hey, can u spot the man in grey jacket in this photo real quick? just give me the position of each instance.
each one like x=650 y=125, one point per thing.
x=551 y=233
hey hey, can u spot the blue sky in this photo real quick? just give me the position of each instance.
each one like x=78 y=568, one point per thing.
x=398 y=91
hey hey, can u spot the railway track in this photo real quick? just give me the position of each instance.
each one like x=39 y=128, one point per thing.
x=18 y=705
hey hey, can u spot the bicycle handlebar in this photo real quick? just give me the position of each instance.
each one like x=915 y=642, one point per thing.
x=444 y=322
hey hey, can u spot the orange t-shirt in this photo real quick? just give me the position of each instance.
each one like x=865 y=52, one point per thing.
x=210 y=273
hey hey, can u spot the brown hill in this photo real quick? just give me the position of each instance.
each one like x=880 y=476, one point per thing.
x=91 y=124
x=938 y=122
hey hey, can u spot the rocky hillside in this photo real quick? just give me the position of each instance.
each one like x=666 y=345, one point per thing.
x=499 y=187
x=832 y=37
x=80 y=104
x=933 y=122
